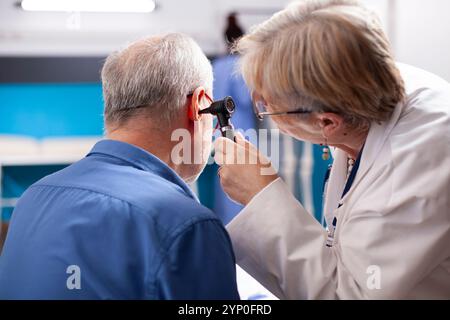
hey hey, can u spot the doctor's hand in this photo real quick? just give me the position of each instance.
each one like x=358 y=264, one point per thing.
x=244 y=171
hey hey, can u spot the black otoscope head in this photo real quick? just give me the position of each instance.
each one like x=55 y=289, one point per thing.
x=223 y=109
x=225 y=106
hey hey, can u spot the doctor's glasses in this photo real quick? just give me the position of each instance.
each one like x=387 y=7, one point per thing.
x=260 y=108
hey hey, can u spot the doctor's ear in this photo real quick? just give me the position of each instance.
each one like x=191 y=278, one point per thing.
x=330 y=123
x=194 y=104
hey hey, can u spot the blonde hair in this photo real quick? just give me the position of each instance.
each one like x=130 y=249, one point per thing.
x=329 y=55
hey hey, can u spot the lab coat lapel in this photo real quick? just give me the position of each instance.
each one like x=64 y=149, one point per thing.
x=337 y=181
x=377 y=137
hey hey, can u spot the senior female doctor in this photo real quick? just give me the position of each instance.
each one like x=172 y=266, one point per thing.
x=324 y=72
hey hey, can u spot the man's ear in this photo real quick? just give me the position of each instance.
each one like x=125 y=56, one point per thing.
x=330 y=123
x=194 y=104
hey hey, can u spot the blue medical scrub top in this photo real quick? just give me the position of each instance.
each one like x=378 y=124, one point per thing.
x=119 y=224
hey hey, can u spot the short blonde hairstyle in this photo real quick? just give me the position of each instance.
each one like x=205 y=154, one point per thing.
x=328 y=56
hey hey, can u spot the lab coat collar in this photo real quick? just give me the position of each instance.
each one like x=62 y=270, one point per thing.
x=140 y=159
x=378 y=134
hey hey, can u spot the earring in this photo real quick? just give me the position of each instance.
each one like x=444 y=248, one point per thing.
x=326 y=151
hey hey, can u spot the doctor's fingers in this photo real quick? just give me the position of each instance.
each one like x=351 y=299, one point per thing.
x=223 y=144
x=219 y=158
x=240 y=140
x=228 y=152
x=252 y=154
x=236 y=156
x=225 y=174
x=230 y=157
x=219 y=171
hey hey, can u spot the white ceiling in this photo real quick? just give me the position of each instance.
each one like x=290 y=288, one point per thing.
x=49 y=33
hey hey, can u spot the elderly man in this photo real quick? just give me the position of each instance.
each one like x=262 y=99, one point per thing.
x=122 y=222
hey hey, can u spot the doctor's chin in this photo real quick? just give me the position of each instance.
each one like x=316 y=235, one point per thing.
x=153 y=150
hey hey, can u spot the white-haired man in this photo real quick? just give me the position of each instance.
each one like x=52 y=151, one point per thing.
x=122 y=222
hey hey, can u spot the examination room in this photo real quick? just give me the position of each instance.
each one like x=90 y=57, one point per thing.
x=206 y=150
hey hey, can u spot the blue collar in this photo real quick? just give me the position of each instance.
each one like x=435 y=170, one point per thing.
x=140 y=159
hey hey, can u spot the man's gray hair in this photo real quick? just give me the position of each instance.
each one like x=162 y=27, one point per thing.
x=155 y=74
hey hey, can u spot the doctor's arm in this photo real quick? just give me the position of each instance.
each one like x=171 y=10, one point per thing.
x=281 y=245
x=274 y=238
x=377 y=256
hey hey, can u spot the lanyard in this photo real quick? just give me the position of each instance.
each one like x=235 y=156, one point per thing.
x=348 y=186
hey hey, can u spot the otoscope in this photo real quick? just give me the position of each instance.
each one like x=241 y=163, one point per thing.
x=223 y=109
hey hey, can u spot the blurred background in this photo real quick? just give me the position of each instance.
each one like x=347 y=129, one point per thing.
x=50 y=92
x=419 y=30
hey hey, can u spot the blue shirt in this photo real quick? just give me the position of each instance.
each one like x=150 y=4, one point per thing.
x=119 y=224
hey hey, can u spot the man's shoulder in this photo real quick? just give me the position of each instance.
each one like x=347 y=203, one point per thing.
x=141 y=192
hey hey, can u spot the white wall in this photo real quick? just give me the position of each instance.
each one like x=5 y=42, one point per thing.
x=42 y=33
x=423 y=34
x=419 y=29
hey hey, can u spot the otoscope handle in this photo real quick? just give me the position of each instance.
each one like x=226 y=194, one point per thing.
x=225 y=125
x=228 y=132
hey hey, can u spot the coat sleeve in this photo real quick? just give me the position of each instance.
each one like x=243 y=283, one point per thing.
x=283 y=246
x=199 y=265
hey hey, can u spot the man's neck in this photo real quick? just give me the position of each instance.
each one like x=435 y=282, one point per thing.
x=160 y=150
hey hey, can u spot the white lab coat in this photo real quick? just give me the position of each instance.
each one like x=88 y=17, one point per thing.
x=393 y=234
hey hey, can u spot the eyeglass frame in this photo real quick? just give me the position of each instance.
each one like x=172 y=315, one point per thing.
x=260 y=115
x=189 y=95
x=206 y=95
